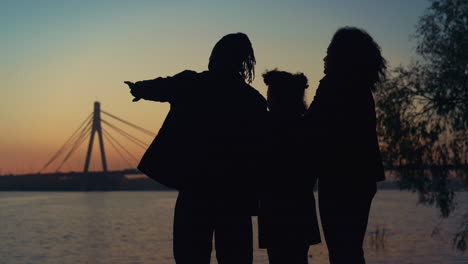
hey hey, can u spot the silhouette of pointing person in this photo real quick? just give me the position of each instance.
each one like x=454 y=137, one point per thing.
x=212 y=138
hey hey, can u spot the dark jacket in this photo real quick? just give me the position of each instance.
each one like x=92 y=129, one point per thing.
x=342 y=130
x=213 y=133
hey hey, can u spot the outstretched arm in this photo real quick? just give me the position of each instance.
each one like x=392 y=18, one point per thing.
x=161 y=89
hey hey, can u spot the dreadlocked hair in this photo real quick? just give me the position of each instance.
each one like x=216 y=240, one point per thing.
x=233 y=53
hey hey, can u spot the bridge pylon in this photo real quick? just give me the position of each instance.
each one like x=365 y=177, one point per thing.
x=96 y=128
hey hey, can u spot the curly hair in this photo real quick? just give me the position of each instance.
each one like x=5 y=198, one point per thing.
x=234 y=53
x=287 y=89
x=354 y=50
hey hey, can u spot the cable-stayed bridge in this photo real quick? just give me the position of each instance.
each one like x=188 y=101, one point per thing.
x=98 y=126
x=94 y=125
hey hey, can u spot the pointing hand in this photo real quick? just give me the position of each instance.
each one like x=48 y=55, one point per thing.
x=133 y=91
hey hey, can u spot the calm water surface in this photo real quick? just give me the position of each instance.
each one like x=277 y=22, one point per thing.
x=136 y=227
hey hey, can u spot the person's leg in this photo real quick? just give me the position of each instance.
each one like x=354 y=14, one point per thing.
x=233 y=239
x=344 y=215
x=288 y=254
x=193 y=232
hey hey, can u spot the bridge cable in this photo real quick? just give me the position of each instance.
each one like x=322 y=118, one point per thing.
x=128 y=136
x=116 y=149
x=135 y=140
x=87 y=121
x=106 y=136
x=149 y=133
x=75 y=146
x=120 y=145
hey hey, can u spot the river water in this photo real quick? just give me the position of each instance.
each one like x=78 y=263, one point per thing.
x=136 y=227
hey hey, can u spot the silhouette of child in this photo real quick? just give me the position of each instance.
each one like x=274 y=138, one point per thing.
x=287 y=216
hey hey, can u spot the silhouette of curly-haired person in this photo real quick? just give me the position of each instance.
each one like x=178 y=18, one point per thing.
x=287 y=215
x=209 y=140
x=344 y=141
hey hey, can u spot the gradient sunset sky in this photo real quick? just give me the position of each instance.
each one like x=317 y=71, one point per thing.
x=58 y=57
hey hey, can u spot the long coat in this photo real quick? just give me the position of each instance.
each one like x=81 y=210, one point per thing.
x=211 y=137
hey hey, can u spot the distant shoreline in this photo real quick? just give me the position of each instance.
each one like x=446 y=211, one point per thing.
x=127 y=180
